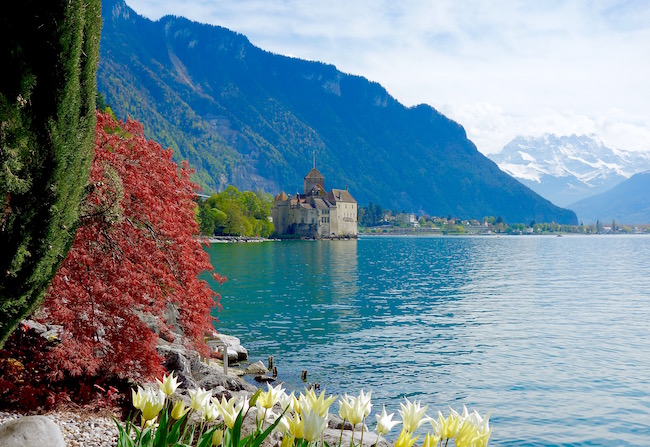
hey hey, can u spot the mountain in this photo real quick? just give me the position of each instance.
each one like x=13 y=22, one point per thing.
x=567 y=169
x=627 y=203
x=247 y=117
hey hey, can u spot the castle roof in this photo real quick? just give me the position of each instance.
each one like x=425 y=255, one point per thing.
x=320 y=204
x=315 y=174
x=340 y=195
x=281 y=197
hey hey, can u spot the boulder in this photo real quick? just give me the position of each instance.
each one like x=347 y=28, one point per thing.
x=236 y=352
x=209 y=377
x=31 y=431
x=229 y=340
x=177 y=360
x=242 y=353
x=233 y=356
x=265 y=379
x=35 y=326
x=336 y=423
x=256 y=368
x=50 y=332
x=220 y=393
x=171 y=314
x=196 y=372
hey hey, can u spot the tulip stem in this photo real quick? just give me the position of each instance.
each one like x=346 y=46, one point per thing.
x=363 y=424
x=341 y=437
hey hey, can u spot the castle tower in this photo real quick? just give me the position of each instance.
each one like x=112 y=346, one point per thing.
x=313 y=178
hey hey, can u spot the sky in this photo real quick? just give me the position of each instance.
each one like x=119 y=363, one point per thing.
x=500 y=68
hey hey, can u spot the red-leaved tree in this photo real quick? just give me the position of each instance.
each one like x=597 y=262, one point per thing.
x=134 y=257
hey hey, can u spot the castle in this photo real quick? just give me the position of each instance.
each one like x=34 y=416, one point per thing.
x=315 y=213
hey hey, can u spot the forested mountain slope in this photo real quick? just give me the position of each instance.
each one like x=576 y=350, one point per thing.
x=253 y=119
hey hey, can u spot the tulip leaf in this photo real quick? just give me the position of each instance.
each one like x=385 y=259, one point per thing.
x=236 y=430
x=206 y=439
x=144 y=439
x=123 y=438
x=160 y=439
x=174 y=433
x=262 y=436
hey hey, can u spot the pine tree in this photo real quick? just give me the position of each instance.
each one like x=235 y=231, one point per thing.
x=49 y=53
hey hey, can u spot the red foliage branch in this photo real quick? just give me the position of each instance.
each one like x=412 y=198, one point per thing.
x=135 y=254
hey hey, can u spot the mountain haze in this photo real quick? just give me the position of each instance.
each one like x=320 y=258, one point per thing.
x=565 y=169
x=247 y=117
x=627 y=203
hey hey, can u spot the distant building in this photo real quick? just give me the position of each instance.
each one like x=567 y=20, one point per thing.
x=406 y=219
x=315 y=213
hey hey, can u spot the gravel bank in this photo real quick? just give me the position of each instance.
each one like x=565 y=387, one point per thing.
x=79 y=429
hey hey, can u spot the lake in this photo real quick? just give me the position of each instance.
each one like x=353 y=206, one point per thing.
x=550 y=334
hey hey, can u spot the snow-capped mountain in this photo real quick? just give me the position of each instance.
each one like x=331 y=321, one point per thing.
x=567 y=169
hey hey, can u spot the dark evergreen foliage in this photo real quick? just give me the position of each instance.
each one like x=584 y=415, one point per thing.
x=47 y=113
x=249 y=118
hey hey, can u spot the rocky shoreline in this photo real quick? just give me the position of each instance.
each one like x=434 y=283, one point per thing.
x=77 y=428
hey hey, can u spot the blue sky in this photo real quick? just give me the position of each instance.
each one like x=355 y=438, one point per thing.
x=500 y=68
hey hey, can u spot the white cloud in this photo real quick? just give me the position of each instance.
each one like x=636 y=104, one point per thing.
x=499 y=68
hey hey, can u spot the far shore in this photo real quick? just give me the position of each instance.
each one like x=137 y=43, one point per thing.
x=232 y=239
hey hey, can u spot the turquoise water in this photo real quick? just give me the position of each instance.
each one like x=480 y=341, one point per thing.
x=549 y=334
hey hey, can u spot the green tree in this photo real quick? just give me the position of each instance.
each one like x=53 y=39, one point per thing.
x=49 y=52
x=236 y=213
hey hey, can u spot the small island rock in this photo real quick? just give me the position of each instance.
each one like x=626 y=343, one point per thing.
x=256 y=368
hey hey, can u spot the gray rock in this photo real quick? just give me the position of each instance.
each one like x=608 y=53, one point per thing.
x=233 y=344
x=50 y=332
x=220 y=393
x=209 y=377
x=31 y=431
x=171 y=315
x=35 y=326
x=256 y=368
x=229 y=340
x=331 y=436
x=194 y=372
x=54 y=327
x=242 y=353
x=233 y=356
x=336 y=423
x=265 y=379
x=150 y=320
x=51 y=335
x=177 y=359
